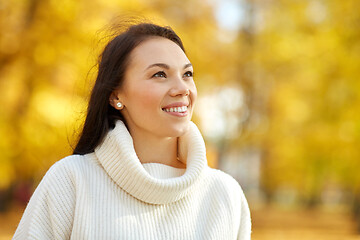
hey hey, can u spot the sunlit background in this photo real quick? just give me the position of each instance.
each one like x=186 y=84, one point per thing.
x=279 y=99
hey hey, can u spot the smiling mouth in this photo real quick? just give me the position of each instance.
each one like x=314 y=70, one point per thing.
x=176 y=109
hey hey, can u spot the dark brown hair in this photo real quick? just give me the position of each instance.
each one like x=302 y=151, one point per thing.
x=113 y=61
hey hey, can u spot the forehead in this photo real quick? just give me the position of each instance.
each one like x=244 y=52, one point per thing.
x=158 y=50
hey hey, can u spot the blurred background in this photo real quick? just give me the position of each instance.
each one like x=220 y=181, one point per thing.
x=279 y=99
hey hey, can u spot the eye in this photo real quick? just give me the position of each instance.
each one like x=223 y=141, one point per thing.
x=160 y=74
x=188 y=74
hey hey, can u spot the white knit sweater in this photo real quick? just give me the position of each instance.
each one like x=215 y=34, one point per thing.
x=109 y=194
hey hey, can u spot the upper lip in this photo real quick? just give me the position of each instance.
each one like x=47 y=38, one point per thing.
x=176 y=104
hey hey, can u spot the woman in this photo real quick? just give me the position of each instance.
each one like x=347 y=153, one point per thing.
x=139 y=170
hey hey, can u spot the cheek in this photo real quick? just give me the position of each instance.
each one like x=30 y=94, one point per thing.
x=144 y=98
x=193 y=95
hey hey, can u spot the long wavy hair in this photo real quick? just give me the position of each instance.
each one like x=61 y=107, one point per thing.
x=113 y=62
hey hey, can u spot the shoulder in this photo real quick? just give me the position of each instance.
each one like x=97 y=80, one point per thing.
x=69 y=169
x=225 y=184
x=49 y=213
x=223 y=180
x=73 y=164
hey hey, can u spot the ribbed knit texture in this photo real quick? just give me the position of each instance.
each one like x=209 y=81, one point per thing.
x=109 y=194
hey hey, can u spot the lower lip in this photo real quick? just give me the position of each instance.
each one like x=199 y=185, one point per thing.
x=177 y=114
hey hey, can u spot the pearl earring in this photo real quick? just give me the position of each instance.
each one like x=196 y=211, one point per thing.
x=119 y=105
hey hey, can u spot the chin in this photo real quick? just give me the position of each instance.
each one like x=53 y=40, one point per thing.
x=177 y=130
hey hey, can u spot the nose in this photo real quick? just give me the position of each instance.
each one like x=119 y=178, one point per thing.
x=179 y=88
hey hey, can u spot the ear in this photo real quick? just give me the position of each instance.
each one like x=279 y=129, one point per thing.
x=114 y=98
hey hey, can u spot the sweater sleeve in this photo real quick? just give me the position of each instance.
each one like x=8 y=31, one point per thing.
x=49 y=213
x=245 y=220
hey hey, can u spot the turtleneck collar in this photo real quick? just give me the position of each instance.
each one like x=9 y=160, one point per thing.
x=118 y=157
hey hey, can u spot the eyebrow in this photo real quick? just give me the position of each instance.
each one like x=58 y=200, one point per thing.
x=163 y=65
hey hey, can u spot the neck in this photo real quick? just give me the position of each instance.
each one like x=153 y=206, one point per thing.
x=154 y=149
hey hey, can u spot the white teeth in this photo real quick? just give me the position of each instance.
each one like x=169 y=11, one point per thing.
x=176 y=109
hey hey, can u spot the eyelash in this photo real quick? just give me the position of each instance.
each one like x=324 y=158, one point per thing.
x=164 y=74
x=161 y=72
x=191 y=73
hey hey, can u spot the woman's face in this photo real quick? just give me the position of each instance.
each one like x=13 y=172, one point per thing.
x=158 y=92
